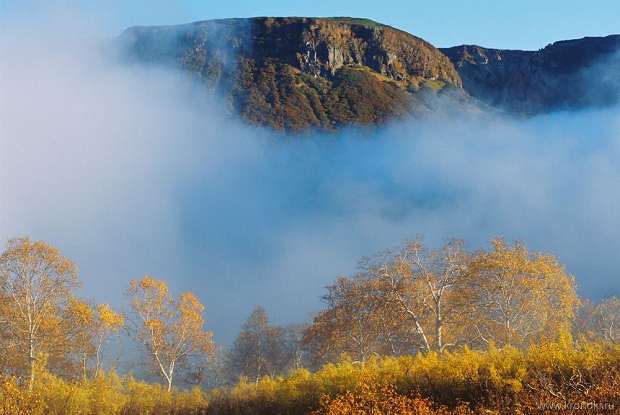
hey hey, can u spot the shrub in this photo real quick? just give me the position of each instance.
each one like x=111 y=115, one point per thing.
x=496 y=381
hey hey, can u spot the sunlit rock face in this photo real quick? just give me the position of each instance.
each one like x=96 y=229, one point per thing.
x=300 y=73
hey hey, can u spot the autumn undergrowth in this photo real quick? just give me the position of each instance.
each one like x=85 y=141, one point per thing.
x=566 y=374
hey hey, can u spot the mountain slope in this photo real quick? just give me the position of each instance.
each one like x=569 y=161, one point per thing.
x=568 y=74
x=296 y=73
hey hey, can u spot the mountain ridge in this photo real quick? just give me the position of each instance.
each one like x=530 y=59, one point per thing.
x=530 y=82
x=300 y=73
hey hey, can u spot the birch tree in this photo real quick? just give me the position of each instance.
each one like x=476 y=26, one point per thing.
x=36 y=281
x=600 y=321
x=517 y=298
x=172 y=331
x=107 y=322
x=81 y=316
x=358 y=321
x=92 y=326
x=424 y=284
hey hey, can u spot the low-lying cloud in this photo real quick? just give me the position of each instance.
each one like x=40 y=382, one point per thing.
x=132 y=170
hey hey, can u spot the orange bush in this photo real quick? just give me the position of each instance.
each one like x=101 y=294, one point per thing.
x=376 y=399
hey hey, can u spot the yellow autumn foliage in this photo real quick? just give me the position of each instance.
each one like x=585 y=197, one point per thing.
x=498 y=380
x=506 y=380
x=108 y=394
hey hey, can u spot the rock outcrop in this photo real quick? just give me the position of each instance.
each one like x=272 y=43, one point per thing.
x=299 y=73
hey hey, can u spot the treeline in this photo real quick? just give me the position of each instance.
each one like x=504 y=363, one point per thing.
x=424 y=330
x=414 y=299
x=45 y=327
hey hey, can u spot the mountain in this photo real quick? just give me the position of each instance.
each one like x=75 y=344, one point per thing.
x=296 y=73
x=568 y=74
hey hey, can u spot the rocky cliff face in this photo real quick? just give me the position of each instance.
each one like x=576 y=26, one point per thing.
x=296 y=73
x=299 y=73
x=564 y=75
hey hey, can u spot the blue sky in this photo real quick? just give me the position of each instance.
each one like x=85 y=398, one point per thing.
x=524 y=24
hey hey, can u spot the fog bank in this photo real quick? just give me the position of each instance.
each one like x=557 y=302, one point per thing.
x=134 y=170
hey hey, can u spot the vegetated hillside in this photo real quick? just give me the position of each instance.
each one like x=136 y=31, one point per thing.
x=294 y=73
x=568 y=74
